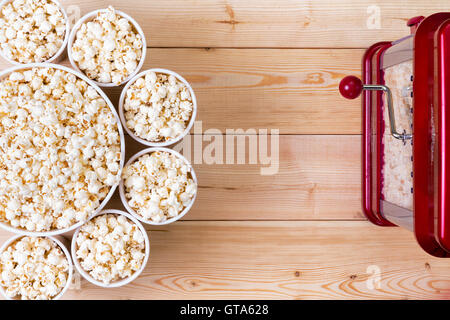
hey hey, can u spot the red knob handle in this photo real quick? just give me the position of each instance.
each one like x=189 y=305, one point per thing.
x=350 y=87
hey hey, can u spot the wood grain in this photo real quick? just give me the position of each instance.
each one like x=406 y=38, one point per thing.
x=281 y=260
x=268 y=23
x=295 y=91
x=318 y=178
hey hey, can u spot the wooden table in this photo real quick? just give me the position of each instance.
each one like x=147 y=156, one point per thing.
x=298 y=234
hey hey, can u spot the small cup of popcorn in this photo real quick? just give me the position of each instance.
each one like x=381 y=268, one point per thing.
x=34 y=268
x=158 y=186
x=111 y=249
x=108 y=46
x=32 y=31
x=157 y=107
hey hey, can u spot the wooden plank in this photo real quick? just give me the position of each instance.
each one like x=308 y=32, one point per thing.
x=295 y=91
x=281 y=260
x=269 y=23
x=318 y=178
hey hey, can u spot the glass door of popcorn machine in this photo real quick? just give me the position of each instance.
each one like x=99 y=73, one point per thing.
x=406 y=112
x=396 y=157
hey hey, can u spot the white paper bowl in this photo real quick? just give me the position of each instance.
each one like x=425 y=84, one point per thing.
x=138 y=216
x=91 y=16
x=163 y=143
x=63 y=248
x=57 y=56
x=8 y=227
x=121 y=282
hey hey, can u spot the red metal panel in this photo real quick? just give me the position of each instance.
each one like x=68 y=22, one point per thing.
x=442 y=106
x=424 y=147
x=371 y=188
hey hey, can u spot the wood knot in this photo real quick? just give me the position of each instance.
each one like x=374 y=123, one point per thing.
x=297 y=274
x=353 y=276
x=231 y=21
x=314 y=78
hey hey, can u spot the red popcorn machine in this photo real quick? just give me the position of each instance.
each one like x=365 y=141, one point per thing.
x=405 y=90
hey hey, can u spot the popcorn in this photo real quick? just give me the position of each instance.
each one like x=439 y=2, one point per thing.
x=158 y=107
x=54 y=133
x=398 y=165
x=159 y=186
x=33 y=268
x=31 y=30
x=107 y=49
x=110 y=247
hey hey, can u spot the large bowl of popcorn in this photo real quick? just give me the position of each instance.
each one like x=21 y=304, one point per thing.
x=158 y=186
x=34 y=268
x=61 y=149
x=158 y=107
x=111 y=249
x=108 y=46
x=32 y=31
